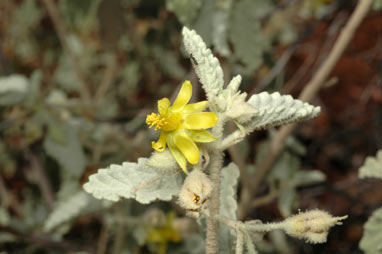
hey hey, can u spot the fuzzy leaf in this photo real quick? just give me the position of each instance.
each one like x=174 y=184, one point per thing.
x=371 y=240
x=275 y=109
x=229 y=179
x=206 y=66
x=372 y=166
x=13 y=89
x=168 y=61
x=4 y=217
x=133 y=180
x=246 y=35
x=203 y=24
x=71 y=208
x=221 y=18
x=67 y=152
x=185 y=10
x=228 y=205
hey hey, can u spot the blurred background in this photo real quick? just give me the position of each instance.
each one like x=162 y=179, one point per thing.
x=78 y=77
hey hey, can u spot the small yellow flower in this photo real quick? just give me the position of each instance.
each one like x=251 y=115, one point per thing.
x=182 y=125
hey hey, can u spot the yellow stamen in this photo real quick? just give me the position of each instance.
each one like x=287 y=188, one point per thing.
x=168 y=122
x=155 y=120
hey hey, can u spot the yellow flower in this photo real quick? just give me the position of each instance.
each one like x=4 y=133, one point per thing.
x=182 y=125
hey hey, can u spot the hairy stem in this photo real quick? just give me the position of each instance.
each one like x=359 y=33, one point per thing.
x=216 y=158
x=307 y=94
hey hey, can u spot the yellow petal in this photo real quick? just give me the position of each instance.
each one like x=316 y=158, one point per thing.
x=160 y=145
x=202 y=120
x=163 y=105
x=178 y=155
x=194 y=107
x=187 y=147
x=201 y=136
x=184 y=96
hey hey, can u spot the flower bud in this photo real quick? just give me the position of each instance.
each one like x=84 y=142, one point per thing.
x=164 y=162
x=195 y=191
x=312 y=226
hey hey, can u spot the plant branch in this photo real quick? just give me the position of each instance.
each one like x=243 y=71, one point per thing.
x=40 y=178
x=307 y=94
x=8 y=199
x=108 y=78
x=60 y=28
x=216 y=160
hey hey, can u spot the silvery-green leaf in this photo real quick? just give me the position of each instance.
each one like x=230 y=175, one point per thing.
x=305 y=177
x=34 y=88
x=133 y=180
x=229 y=180
x=65 y=76
x=203 y=24
x=377 y=5
x=168 y=61
x=206 y=66
x=185 y=10
x=372 y=166
x=275 y=109
x=68 y=152
x=371 y=240
x=4 y=216
x=228 y=205
x=220 y=27
x=246 y=35
x=287 y=201
x=70 y=208
x=13 y=89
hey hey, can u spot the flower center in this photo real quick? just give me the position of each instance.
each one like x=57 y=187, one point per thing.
x=168 y=122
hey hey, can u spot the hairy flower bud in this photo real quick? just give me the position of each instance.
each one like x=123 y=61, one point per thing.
x=195 y=192
x=164 y=162
x=313 y=226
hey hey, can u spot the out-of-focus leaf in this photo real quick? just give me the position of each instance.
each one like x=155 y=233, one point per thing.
x=185 y=10
x=372 y=167
x=4 y=216
x=26 y=17
x=377 y=5
x=13 y=89
x=130 y=74
x=34 y=89
x=203 y=24
x=68 y=153
x=371 y=240
x=65 y=76
x=66 y=210
x=8 y=165
x=133 y=180
x=305 y=177
x=76 y=11
x=246 y=36
x=168 y=61
x=220 y=27
x=287 y=201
